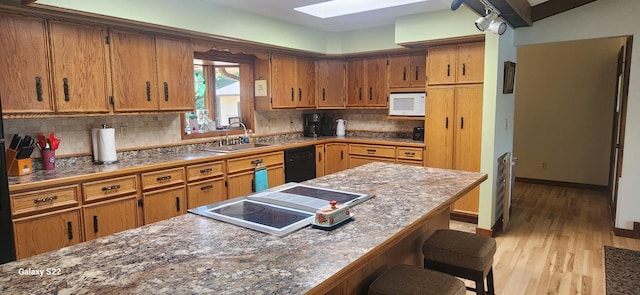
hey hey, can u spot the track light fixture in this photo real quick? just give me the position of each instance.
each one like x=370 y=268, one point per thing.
x=489 y=22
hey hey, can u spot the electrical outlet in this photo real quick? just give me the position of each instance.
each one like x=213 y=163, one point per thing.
x=544 y=165
x=124 y=130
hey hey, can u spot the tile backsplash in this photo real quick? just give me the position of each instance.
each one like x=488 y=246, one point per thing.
x=140 y=131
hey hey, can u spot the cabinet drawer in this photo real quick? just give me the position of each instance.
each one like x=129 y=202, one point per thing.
x=43 y=200
x=247 y=163
x=162 y=178
x=206 y=192
x=373 y=150
x=103 y=189
x=207 y=170
x=409 y=153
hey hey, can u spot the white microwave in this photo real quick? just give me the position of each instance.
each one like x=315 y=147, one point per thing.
x=407 y=104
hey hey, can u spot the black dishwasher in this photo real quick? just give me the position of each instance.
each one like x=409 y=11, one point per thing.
x=300 y=163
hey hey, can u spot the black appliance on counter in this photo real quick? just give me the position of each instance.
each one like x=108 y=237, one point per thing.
x=418 y=133
x=8 y=252
x=327 y=126
x=300 y=163
x=311 y=125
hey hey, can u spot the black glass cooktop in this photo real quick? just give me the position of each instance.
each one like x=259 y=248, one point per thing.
x=324 y=194
x=264 y=214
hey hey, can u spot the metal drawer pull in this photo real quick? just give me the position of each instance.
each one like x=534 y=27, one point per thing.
x=409 y=154
x=70 y=230
x=45 y=199
x=404 y=74
x=166 y=91
x=65 y=87
x=206 y=187
x=417 y=72
x=110 y=188
x=256 y=162
x=148 y=91
x=163 y=178
x=39 y=88
x=177 y=203
x=371 y=151
x=206 y=170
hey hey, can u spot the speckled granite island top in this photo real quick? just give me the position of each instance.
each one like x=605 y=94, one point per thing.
x=194 y=254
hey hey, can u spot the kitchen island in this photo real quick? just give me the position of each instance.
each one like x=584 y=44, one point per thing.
x=194 y=254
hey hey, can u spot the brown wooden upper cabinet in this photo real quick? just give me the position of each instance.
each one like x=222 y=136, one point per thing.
x=292 y=82
x=367 y=82
x=331 y=83
x=408 y=70
x=133 y=69
x=24 y=73
x=175 y=74
x=462 y=63
x=79 y=68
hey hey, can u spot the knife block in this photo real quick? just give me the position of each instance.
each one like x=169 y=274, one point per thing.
x=17 y=167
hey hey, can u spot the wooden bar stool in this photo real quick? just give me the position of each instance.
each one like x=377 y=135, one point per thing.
x=413 y=280
x=462 y=254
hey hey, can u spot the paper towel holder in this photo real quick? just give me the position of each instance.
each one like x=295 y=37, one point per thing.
x=98 y=154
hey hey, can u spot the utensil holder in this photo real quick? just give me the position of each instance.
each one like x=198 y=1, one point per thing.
x=48 y=159
x=17 y=167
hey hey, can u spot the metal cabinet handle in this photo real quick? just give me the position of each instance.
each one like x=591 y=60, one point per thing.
x=462 y=123
x=206 y=170
x=319 y=157
x=253 y=185
x=148 y=91
x=360 y=93
x=448 y=70
x=370 y=93
x=95 y=224
x=292 y=95
x=45 y=199
x=464 y=69
x=166 y=91
x=323 y=94
x=371 y=151
x=39 y=88
x=446 y=124
x=417 y=72
x=404 y=74
x=65 y=88
x=299 y=94
x=177 y=203
x=341 y=155
x=70 y=230
x=110 y=188
x=256 y=162
x=163 y=178
x=206 y=187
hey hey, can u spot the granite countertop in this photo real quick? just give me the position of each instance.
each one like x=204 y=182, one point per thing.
x=167 y=157
x=194 y=254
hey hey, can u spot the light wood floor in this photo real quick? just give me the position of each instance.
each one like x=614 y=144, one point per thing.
x=555 y=243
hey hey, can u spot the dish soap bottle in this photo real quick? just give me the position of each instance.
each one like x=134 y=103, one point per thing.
x=245 y=139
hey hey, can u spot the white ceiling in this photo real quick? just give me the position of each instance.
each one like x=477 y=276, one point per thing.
x=283 y=10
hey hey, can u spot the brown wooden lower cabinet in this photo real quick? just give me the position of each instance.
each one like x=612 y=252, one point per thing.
x=46 y=232
x=206 y=192
x=164 y=204
x=355 y=161
x=336 y=157
x=242 y=183
x=109 y=217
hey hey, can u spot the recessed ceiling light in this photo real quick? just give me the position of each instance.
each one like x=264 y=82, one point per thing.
x=343 y=7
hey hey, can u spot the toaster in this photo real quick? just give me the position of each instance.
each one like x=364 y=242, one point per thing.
x=418 y=133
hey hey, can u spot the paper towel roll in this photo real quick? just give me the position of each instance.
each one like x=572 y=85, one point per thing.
x=104 y=145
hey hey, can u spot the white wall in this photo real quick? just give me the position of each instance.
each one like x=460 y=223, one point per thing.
x=599 y=19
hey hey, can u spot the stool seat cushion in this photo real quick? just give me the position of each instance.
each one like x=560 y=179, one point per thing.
x=408 y=279
x=463 y=249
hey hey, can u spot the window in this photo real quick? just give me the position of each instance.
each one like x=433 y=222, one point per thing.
x=223 y=95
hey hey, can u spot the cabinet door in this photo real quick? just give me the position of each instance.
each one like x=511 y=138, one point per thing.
x=306 y=82
x=25 y=86
x=331 y=83
x=164 y=204
x=336 y=157
x=440 y=125
x=46 y=232
x=320 y=160
x=206 y=192
x=275 y=175
x=133 y=72
x=356 y=82
x=240 y=184
x=355 y=161
x=105 y=218
x=376 y=81
x=468 y=127
x=418 y=73
x=283 y=77
x=175 y=74
x=400 y=71
x=441 y=67
x=470 y=63
x=79 y=68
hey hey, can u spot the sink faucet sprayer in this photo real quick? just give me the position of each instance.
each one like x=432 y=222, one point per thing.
x=226 y=130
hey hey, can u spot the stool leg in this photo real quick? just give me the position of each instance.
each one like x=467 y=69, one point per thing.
x=490 y=282
x=480 y=285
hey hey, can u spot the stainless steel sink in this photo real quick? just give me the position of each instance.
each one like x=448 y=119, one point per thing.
x=236 y=147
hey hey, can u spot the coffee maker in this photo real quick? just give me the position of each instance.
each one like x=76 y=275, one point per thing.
x=311 y=125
